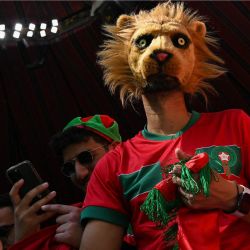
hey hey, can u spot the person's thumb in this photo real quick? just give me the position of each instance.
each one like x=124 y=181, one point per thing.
x=181 y=155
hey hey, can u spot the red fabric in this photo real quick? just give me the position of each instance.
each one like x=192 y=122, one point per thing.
x=167 y=188
x=196 y=163
x=43 y=240
x=85 y=119
x=231 y=239
x=190 y=222
x=129 y=239
x=123 y=177
x=106 y=121
x=235 y=236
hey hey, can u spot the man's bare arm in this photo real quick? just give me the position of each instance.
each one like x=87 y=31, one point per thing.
x=100 y=235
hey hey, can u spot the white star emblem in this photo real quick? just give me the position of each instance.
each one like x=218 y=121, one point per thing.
x=224 y=156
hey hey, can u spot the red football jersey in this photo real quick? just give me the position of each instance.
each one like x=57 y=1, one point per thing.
x=122 y=179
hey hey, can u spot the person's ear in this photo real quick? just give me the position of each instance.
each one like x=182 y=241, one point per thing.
x=199 y=28
x=125 y=21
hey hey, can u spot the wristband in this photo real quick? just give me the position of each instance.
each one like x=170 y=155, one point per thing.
x=243 y=202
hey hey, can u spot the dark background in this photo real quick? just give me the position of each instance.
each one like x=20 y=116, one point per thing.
x=45 y=83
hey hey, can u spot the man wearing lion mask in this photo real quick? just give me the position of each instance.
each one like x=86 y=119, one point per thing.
x=196 y=164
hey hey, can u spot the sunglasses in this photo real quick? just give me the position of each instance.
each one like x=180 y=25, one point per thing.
x=84 y=158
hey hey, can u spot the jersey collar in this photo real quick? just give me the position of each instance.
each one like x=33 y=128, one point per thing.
x=155 y=137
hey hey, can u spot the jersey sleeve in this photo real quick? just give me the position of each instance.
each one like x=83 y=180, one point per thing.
x=104 y=200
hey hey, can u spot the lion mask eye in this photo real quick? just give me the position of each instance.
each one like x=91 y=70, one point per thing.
x=143 y=41
x=181 y=41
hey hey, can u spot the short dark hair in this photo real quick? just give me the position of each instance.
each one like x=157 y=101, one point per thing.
x=5 y=200
x=73 y=135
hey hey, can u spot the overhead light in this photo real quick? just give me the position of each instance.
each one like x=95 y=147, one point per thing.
x=16 y=34
x=54 y=29
x=54 y=22
x=32 y=26
x=43 y=26
x=30 y=33
x=2 y=26
x=2 y=34
x=42 y=33
x=20 y=31
x=18 y=27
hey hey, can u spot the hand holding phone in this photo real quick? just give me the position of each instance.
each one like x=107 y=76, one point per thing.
x=28 y=196
x=26 y=171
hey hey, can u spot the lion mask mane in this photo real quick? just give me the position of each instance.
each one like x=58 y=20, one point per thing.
x=166 y=47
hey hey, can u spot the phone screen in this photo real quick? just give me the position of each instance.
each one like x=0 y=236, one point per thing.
x=25 y=170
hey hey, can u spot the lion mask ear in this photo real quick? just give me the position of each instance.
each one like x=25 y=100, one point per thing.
x=199 y=28
x=125 y=21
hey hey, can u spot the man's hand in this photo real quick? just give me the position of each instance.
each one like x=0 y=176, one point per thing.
x=27 y=219
x=69 y=230
x=223 y=193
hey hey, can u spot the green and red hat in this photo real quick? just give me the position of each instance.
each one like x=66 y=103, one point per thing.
x=102 y=125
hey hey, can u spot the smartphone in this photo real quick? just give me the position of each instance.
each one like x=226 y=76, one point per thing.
x=25 y=170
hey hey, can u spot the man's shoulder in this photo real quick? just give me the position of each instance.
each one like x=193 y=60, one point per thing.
x=129 y=143
x=121 y=152
x=228 y=113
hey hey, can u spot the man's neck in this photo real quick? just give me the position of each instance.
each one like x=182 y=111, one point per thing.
x=166 y=112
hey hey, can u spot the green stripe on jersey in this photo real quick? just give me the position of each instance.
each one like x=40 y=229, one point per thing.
x=141 y=181
x=104 y=214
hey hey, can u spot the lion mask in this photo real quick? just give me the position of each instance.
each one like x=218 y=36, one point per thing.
x=163 y=49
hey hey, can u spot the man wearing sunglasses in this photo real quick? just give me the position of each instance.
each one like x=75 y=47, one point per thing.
x=81 y=143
